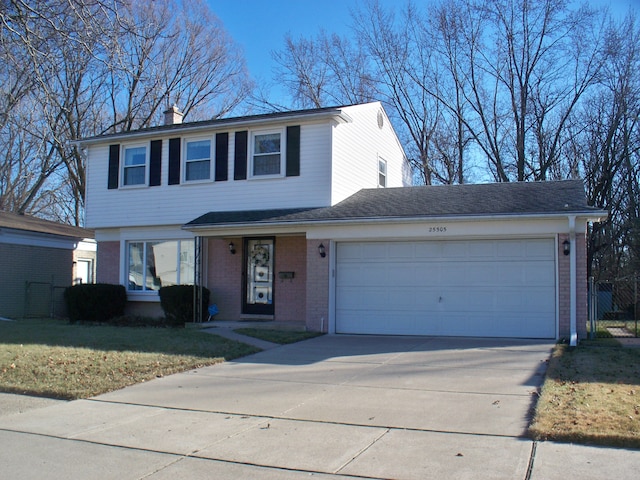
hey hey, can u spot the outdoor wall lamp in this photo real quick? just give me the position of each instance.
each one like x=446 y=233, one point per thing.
x=232 y=248
x=566 y=247
x=322 y=251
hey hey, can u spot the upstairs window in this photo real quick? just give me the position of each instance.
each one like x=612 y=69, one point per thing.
x=382 y=173
x=267 y=154
x=197 y=163
x=134 y=166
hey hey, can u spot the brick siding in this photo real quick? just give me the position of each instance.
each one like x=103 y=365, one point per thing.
x=317 y=287
x=564 y=287
x=108 y=263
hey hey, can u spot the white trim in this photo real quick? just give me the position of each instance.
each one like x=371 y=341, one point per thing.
x=557 y=280
x=37 y=239
x=573 y=341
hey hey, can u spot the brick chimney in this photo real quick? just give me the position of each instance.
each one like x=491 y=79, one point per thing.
x=173 y=116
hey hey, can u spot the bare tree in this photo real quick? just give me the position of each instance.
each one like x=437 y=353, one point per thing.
x=90 y=67
x=606 y=140
x=325 y=70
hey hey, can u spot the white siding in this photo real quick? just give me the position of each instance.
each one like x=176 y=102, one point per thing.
x=356 y=149
x=179 y=204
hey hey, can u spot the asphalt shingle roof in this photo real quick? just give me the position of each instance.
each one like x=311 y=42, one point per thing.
x=515 y=198
x=34 y=224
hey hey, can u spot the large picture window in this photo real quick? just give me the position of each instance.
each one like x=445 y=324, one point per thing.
x=197 y=160
x=151 y=265
x=267 y=154
x=134 y=167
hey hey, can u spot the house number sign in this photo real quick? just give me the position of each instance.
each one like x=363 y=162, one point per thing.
x=437 y=229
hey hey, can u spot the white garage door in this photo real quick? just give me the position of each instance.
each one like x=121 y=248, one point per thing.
x=487 y=288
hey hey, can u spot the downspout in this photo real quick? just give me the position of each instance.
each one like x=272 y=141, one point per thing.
x=573 y=341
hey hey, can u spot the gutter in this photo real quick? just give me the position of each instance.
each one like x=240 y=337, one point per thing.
x=596 y=215
x=182 y=128
x=573 y=340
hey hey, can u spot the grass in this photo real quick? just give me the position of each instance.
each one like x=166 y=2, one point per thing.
x=53 y=358
x=591 y=395
x=277 y=336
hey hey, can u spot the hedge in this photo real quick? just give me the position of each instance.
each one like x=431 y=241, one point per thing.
x=177 y=303
x=95 y=302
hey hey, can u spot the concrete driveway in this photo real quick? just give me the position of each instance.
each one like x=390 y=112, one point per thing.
x=331 y=407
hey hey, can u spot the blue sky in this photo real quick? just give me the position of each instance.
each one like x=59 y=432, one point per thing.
x=259 y=26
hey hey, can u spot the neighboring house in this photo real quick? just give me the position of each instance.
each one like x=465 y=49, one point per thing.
x=308 y=217
x=39 y=259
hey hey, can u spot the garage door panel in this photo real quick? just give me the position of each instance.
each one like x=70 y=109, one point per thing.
x=470 y=288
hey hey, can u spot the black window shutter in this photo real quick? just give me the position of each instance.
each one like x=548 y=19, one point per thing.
x=155 y=163
x=114 y=166
x=240 y=159
x=174 y=161
x=222 y=156
x=293 y=151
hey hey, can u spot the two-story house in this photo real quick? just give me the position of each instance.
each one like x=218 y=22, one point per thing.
x=309 y=217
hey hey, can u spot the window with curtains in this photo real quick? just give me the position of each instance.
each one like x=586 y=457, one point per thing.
x=155 y=264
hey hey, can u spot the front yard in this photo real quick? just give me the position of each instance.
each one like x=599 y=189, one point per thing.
x=53 y=358
x=591 y=394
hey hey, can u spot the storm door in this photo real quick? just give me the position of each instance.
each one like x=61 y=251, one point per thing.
x=258 y=274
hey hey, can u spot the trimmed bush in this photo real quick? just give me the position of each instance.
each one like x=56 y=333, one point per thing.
x=95 y=302
x=177 y=303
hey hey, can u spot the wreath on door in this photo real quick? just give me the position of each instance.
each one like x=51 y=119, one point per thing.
x=260 y=256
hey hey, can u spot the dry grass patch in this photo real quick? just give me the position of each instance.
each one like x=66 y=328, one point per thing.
x=55 y=359
x=591 y=395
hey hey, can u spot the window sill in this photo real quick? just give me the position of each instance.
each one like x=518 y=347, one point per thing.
x=148 y=296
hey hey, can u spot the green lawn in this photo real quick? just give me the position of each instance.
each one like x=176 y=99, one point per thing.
x=55 y=359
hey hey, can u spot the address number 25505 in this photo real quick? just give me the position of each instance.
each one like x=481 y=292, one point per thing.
x=437 y=229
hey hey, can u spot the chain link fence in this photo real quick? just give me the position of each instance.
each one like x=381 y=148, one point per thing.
x=614 y=308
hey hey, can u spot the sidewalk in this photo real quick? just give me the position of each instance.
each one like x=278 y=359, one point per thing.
x=334 y=407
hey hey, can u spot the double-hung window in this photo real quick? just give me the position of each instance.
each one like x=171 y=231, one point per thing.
x=197 y=163
x=134 y=166
x=267 y=153
x=155 y=264
x=382 y=173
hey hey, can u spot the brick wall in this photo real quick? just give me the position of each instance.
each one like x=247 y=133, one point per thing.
x=564 y=290
x=317 y=317
x=108 y=262
x=224 y=277
x=290 y=295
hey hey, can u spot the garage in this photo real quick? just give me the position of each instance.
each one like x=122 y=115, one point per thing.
x=483 y=288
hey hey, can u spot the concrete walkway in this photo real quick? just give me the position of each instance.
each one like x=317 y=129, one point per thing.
x=330 y=407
